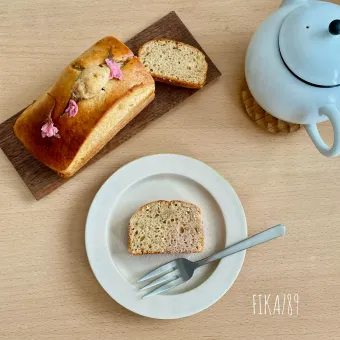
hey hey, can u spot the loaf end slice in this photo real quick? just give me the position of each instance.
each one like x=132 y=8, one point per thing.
x=174 y=62
x=164 y=227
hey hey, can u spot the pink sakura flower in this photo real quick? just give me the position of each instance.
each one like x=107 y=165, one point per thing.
x=72 y=108
x=49 y=130
x=115 y=71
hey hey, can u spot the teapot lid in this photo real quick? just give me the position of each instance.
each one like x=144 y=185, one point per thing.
x=309 y=42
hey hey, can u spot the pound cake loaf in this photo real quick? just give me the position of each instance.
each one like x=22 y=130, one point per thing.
x=163 y=227
x=174 y=62
x=93 y=99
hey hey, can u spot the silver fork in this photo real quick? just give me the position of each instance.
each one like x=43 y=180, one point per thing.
x=181 y=270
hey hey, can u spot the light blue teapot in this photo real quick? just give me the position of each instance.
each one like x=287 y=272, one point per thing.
x=293 y=67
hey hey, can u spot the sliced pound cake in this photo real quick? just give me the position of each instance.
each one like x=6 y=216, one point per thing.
x=166 y=227
x=174 y=62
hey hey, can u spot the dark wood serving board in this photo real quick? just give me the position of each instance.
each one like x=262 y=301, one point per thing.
x=40 y=179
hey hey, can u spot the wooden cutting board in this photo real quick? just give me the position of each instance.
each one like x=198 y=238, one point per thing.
x=40 y=179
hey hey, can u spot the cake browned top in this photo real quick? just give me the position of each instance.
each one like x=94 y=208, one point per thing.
x=87 y=81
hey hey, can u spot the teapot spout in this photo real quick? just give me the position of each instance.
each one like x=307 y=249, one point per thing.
x=293 y=2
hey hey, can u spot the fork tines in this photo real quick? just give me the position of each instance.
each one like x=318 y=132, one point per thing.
x=171 y=278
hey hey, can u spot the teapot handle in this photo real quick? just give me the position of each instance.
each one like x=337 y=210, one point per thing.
x=334 y=116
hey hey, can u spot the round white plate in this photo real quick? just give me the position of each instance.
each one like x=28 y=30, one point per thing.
x=164 y=177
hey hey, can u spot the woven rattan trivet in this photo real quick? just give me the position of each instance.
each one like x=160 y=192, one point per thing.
x=263 y=118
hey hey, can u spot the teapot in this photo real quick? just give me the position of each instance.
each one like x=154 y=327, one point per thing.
x=293 y=67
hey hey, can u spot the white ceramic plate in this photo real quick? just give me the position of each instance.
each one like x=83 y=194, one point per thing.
x=164 y=177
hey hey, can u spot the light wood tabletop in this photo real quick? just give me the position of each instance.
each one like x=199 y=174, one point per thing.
x=47 y=289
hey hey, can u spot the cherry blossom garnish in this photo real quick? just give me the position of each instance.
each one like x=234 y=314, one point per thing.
x=72 y=108
x=49 y=130
x=115 y=71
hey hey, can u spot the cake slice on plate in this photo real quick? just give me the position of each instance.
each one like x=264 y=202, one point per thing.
x=163 y=227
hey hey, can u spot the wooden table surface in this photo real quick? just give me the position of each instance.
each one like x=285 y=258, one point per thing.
x=47 y=289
